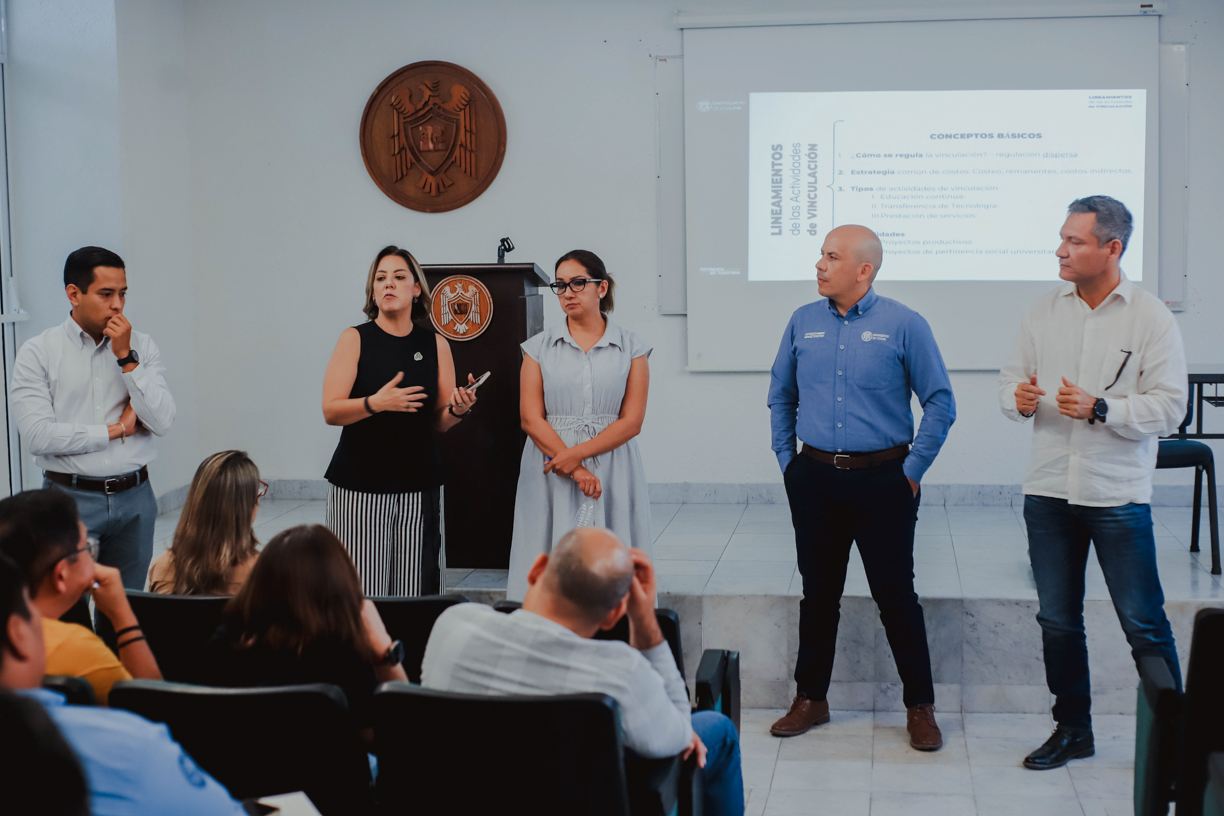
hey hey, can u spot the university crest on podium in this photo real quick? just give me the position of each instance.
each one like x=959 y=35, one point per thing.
x=462 y=307
x=433 y=136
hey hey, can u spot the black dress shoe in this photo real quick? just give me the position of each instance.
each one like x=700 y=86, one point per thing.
x=1064 y=745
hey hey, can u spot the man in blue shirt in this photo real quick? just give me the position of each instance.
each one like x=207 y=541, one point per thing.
x=132 y=765
x=841 y=383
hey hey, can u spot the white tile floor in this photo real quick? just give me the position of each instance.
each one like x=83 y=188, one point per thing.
x=959 y=552
x=736 y=549
x=861 y=763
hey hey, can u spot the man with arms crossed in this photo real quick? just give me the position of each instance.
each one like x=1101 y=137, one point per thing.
x=89 y=395
x=587 y=583
x=1099 y=367
x=841 y=383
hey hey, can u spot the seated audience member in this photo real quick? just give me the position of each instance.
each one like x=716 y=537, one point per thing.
x=132 y=766
x=41 y=533
x=214 y=548
x=588 y=581
x=301 y=618
x=39 y=773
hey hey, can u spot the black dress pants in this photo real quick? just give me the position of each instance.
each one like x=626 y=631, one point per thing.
x=876 y=509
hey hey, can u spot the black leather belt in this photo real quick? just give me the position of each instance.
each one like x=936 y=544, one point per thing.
x=110 y=487
x=850 y=461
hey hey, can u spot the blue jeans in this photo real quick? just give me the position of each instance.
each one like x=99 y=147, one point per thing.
x=724 y=781
x=1059 y=534
x=123 y=524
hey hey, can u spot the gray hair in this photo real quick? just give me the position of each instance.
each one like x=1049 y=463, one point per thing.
x=1113 y=220
x=592 y=582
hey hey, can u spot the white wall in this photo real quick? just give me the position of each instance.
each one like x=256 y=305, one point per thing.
x=62 y=120
x=225 y=166
x=287 y=217
x=98 y=154
x=157 y=228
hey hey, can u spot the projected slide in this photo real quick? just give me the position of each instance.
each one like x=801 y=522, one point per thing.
x=960 y=185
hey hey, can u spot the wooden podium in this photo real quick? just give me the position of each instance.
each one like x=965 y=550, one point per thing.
x=482 y=453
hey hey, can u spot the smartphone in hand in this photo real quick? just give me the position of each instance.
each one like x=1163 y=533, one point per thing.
x=479 y=382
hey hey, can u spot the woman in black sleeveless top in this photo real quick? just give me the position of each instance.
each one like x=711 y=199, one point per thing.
x=391 y=384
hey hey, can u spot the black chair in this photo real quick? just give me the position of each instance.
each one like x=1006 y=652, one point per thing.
x=718 y=673
x=1202 y=711
x=76 y=690
x=1213 y=796
x=1157 y=712
x=561 y=754
x=718 y=683
x=410 y=620
x=1184 y=453
x=263 y=741
x=178 y=627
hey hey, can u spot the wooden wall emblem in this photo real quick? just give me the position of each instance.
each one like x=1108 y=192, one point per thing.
x=462 y=307
x=433 y=136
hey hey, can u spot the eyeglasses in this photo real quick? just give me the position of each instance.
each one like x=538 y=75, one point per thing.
x=91 y=546
x=577 y=285
x=263 y=489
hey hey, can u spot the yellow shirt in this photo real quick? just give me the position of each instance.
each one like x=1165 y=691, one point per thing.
x=75 y=651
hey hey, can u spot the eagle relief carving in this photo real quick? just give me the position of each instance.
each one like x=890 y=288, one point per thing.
x=420 y=135
x=461 y=307
x=433 y=136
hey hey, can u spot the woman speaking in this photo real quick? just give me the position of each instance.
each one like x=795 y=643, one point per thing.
x=583 y=399
x=391 y=384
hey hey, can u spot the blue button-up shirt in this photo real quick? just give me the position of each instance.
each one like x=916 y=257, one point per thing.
x=842 y=384
x=133 y=766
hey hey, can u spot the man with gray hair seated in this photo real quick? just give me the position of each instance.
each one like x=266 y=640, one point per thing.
x=588 y=581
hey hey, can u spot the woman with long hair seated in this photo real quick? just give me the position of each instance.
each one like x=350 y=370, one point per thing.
x=214 y=547
x=301 y=618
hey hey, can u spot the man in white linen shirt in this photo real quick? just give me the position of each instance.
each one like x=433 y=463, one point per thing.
x=89 y=395
x=588 y=581
x=1099 y=366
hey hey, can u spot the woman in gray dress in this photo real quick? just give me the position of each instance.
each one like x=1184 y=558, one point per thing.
x=583 y=386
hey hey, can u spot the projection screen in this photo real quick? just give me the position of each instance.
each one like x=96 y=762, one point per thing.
x=960 y=143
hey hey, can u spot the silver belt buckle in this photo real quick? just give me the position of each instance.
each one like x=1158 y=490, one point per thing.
x=106 y=486
x=837 y=456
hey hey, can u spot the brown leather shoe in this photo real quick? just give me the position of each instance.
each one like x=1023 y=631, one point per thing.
x=924 y=733
x=803 y=714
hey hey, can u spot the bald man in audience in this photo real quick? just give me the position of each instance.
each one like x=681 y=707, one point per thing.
x=841 y=387
x=587 y=583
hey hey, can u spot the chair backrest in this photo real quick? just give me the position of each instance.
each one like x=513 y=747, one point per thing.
x=1203 y=710
x=1189 y=409
x=410 y=620
x=1213 y=795
x=669 y=623
x=559 y=754
x=178 y=627
x=76 y=690
x=1156 y=723
x=263 y=741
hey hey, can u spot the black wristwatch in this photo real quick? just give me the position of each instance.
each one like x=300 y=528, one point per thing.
x=1099 y=409
x=394 y=654
x=132 y=357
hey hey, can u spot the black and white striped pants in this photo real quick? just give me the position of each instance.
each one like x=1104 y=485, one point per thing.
x=395 y=539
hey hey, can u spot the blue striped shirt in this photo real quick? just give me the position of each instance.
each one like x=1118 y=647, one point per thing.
x=842 y=384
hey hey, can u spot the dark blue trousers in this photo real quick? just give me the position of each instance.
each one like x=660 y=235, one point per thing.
x=1058 y=537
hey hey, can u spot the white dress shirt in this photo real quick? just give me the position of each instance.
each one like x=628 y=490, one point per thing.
x=66 y=391
x=1106 y=464
x=474 y=649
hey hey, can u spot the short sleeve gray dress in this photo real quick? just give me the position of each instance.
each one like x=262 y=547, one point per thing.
x=582 y=397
